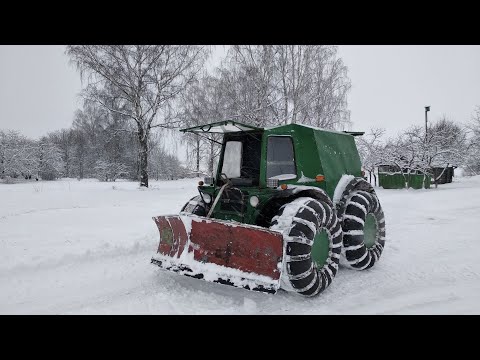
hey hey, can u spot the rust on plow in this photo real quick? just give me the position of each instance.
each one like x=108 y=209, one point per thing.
x=220 y=251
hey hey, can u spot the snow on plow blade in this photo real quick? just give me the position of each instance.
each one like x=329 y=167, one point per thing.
x=220 y=251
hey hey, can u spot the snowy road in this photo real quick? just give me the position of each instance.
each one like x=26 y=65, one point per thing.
x=70 y=247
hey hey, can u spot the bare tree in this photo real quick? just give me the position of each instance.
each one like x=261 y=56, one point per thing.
x=247 y=80
x=281 y=84
x=371 y=151
x=139 y=82
x=88 y=125
x=17 y=155
x=472 y=160
x=49 y=157
x=64 y=140
x=193 y=112
x=446 y=145
x=204 y=102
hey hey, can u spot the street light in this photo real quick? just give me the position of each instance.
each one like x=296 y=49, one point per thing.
x=427 y=109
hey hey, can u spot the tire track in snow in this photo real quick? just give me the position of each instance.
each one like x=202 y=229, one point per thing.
x=138 y=247
x=41 y=210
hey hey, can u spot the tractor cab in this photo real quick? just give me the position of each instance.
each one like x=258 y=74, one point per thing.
x=248 y=157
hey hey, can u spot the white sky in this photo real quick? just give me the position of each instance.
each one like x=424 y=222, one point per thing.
x=38 y=89
x=390 y=85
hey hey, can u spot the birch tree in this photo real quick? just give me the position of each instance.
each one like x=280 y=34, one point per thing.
x=282 y=84
x=472 y=161
x=139 y=82
x=203 y=103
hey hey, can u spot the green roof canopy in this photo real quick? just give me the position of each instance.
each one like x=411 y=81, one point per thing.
x=221 y=127
x=354 y=133
x=229 y=126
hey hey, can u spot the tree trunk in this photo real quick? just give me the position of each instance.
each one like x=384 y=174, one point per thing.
x=143 y=160
x=198 y=156
x=210 y=161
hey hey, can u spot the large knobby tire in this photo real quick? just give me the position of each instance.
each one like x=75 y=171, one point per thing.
x=195 y=206
x=363 y=225
x=312 y=244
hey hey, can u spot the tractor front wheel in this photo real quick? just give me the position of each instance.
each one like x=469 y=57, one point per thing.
x=312 y=244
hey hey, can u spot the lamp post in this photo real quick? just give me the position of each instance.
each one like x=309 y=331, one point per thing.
x=427 y=109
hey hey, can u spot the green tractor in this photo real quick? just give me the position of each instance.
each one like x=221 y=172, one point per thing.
x=287 y=206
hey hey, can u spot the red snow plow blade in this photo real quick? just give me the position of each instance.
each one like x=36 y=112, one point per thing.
x=220 y=251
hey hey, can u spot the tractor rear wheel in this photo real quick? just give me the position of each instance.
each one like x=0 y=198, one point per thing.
x=363 y=225
x=312 y=244
x=195 y=206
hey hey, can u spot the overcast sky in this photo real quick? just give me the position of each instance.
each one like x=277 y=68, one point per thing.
x=390 y=85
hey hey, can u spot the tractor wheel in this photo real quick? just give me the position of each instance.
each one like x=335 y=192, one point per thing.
x=363 y=225
x=195 y=206
x=312 y=244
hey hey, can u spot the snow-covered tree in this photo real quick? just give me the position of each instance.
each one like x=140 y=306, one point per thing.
x=446 y=145
x=416 y=151
x=472 y=157
x=139 y=82
x=281 y=84
x=371 y=151
x=17 y=155
x=64 y=140
x=49 y=159
x=109 y=171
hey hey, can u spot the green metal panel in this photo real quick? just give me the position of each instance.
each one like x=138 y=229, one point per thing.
x=391 y=181
x=339 y=156
x=401 y=181
x=370 y=230
x=318 y=152
x=320 y=248
x=416 y=181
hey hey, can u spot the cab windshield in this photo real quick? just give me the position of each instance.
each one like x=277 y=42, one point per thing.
x=241 y=159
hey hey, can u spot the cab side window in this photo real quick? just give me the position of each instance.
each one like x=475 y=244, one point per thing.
x=280 y=158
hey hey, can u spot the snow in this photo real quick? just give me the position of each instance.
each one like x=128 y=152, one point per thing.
x=342 y=184
x=212 y=272
x=298 y=188
x=304 y=179
x=284 y=177
x=84 y=247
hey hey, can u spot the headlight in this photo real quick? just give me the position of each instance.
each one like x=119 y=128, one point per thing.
x=207 y=198
x=254 y=201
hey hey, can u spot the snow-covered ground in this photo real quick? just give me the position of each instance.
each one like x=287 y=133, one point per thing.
x=84 y=247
